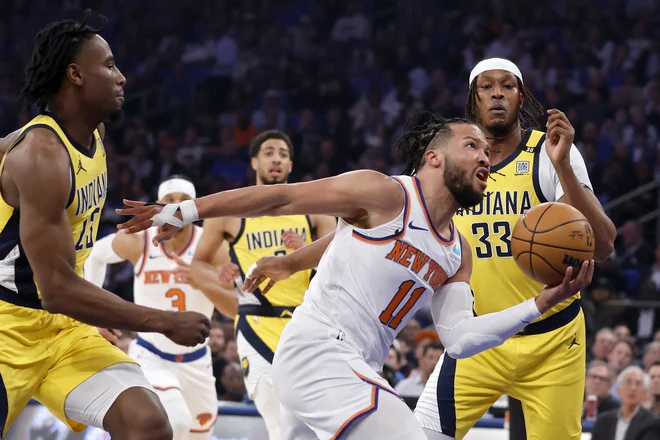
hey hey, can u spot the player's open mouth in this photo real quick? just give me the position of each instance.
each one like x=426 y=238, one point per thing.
x=275 y=171
x=482 y=174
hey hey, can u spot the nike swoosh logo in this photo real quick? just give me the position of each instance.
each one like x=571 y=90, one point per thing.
x=411 y=226
x=154 y=256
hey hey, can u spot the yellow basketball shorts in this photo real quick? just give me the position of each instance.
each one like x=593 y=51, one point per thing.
x=545 y=371
x=46 y=356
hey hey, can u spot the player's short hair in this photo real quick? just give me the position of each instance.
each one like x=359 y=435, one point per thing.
x=414 y=141
x=433 y=346
x=55 y=47
x=527 y=119
x=258 y=140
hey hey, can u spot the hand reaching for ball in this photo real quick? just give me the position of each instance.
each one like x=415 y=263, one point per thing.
x=550 y=296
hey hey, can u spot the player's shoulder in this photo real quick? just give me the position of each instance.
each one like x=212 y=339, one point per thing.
x=38 y=150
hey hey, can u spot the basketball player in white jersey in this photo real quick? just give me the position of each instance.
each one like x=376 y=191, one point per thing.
x=395 y=249
x=182 y=376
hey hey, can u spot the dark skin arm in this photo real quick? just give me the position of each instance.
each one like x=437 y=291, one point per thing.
x=36 y=179
x=559 y=143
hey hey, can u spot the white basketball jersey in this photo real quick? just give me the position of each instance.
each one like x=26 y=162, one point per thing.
x=370 y=282
x=157 y=286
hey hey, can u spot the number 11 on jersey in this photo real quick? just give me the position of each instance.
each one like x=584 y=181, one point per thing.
x=394 y=321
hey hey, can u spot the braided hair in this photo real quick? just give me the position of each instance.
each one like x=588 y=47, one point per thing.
x=527 y=119
x=55 y=47
x=414 y=142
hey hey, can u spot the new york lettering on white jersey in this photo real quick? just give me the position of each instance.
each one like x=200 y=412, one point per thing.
x=371 y=282
x=156 y=285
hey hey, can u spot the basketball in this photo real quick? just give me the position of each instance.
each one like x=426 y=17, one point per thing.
x=548 y=239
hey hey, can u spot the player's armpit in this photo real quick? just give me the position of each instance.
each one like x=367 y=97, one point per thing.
x=323 y=225
x=37 y=175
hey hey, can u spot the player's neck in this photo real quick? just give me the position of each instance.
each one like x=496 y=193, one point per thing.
x=178 y=244
x=502 y=147
x=78 y=124
x=656 y=404
x=439 y=202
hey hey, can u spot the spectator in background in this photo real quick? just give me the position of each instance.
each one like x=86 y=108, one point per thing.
x=619 y=359
x=631 y=421
x=413 y=385
x=643 y=322
x=600 y=377
x=232 y=382
x=603 y=345
x=652 y=355
x=231 y=352
x=219 y=362
x=633 y=251
x=622 y=332
x=392 y=366
x=654 y=387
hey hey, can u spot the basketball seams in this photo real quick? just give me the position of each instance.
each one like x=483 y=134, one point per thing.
x=563 y=224
x=544 y=260
x=531 y=243
x=553 y=246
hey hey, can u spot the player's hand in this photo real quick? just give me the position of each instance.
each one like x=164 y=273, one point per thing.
x=228 y=273
x=183 y=272
x=187 y=328
x=292 y=240
x=550 y=296
x=273 y=269
x=559 y=137
x=143 y=214
x=109 y=334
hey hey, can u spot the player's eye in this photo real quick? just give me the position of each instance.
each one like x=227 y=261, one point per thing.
x=485 y=86
x=472 y=145
x=508 y=86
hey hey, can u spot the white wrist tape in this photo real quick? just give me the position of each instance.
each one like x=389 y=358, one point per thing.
x=167 y=216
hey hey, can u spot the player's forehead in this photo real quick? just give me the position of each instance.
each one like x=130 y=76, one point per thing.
x=94 y=50
x=270 y=145
x=177 y=196
x=466 y=132
x=496 y=76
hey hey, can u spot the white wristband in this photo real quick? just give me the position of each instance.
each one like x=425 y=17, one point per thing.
x=167 y=215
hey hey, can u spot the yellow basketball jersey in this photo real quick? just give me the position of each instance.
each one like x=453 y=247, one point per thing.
x=89 y=183
x=262 y=237
x=496 y=280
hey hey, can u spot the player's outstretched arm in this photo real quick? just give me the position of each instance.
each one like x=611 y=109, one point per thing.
x=465 y=335
x=364 y=196
x=276 y=269
x=37 y=179
x=211 y=253
x=112 y=249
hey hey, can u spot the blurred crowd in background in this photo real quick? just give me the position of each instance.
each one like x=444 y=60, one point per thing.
x=341 y=78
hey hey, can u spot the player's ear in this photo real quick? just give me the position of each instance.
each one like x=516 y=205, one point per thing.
x=433 y=157
x=254 y=163
x=74 y=74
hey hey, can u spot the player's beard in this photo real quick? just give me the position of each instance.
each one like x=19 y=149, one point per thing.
x=501 y=129
x=460 y=186
x=269 y=180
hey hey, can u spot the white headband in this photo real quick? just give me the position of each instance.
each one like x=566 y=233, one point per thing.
x=176 y=186
x=494 y=64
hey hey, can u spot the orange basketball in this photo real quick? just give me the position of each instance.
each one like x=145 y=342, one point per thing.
x=549 y=238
